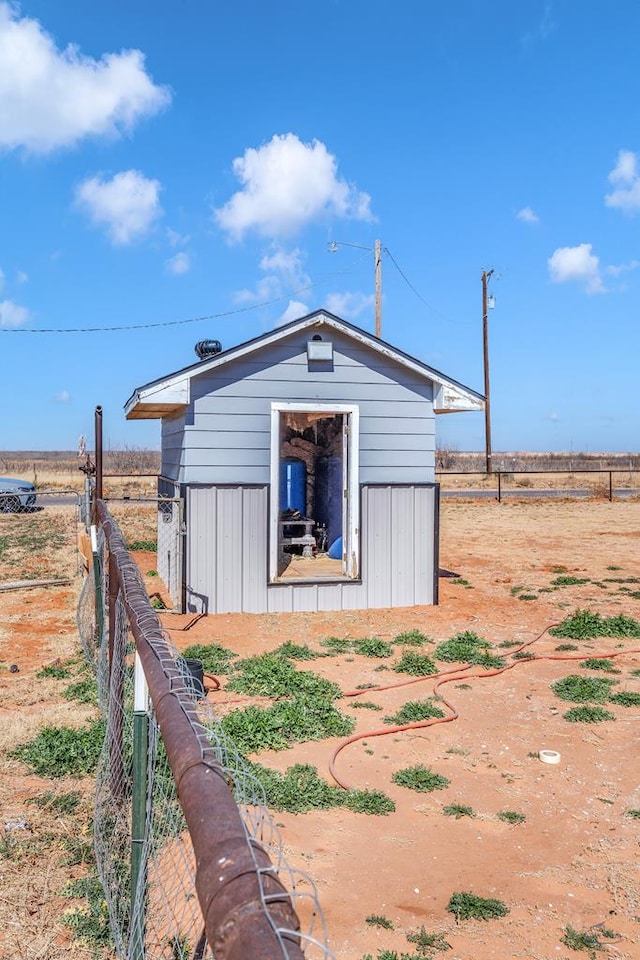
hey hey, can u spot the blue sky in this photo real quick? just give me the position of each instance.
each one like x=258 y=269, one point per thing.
x=162 y=163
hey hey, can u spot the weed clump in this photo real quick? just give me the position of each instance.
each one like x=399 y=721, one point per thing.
x=300 y=789
x=626 y=698
x=63 y=751
x=375 y=920
x=468 y=906
x=214 y=658
x=296 y=720
x=588 y=715
x=581 y=940
x=373 y=647
x=458 y=810
x=297 y=651
x=467 y=647
x=420 y=778
x=511 y=816
x=415 y=664
x=583 y=689
x=413 y=711
x=272 y=675
x=412 y=638
x=584 y=625
x=597 y=663
x=337 y=644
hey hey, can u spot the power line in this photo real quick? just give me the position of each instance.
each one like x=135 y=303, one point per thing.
x=418 y=294
x=176 y=323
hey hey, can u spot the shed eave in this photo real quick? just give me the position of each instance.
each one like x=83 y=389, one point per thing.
x=154 y=411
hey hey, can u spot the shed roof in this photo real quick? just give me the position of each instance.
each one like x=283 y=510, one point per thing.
x=171 y=394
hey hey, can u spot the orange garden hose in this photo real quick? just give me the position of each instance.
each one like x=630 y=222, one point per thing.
x=448 y=676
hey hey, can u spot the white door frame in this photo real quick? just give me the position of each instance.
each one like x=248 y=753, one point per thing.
x=351 y=548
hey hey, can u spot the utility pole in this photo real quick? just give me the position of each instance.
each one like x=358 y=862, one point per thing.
x=485 y=353
x=377 y=261
x=377 y=253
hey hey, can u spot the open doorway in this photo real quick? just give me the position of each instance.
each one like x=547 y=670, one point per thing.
x=314 y=493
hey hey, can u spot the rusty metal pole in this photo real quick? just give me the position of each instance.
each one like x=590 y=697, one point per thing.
x=485 y=354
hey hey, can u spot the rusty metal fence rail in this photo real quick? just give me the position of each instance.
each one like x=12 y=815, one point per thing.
x=188 y=855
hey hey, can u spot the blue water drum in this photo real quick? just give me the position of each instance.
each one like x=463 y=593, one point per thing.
x=293 y=485
x=328 y=496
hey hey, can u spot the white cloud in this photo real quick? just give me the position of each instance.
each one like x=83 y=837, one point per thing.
x=286 y=184
x=179 y=264
x=21 y=276
x=349 y=306
x=295 y=310
x=554 y=417
x=576 y=263
x=177 y=239
x=52 y=98
x=127 y=205
x=284 y=271
x=63 y=397
x=12 y=314
x=617 y=269
x=626 y=181
x=528 y=215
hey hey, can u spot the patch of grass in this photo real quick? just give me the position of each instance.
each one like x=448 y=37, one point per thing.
x=579 y=689
x=461 y=582
x=272 y=675
x=459 y=751
x=633 y=813
x=415 y=664
x=214 y=658
x=300 y=789
x=158 y=603
x=463 y=686
x=365 y=705
x=626 y=698
x=622 y=579
x=373 y=647
x=413 y=711
x=412 y=638
x=147 y=545
x=337 y=644
x=584 y=624
x=89 y=923
x=511 y=816
x=63 y=751
x=428 y=942
x=83 y=691
x=527 y=596
x=581 y=940
x=54 y=671
x=524 y=655
x=566 y=580
x=507 y=644
x=61 y=803
x=468 y=906
x=375 y=920
x=458 y=810
x=566 y=647
x=297 y=651
x=79 y=850
x=588 y=715
x=294 y=720
x=420 y=779
x=596 y=663
x=466 y=647
x=613 y=567
x=634 y=673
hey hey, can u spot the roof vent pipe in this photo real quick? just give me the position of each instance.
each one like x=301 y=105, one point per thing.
x=208 y=348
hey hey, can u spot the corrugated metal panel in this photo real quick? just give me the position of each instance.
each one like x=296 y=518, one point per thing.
x=227 y=553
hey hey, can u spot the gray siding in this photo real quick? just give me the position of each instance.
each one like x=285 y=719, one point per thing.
x=227 y=553
x=224 y=437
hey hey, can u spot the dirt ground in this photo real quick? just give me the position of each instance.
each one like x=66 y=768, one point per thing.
x=572 y=862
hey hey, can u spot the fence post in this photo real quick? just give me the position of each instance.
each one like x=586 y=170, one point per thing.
x=138 y=810
x=499 y=486
x=610 y=486
x=97 y=582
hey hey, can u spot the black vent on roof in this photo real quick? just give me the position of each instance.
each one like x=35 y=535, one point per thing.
x=208 y=348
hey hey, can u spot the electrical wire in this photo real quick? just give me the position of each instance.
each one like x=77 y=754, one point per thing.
x=175 y=323
x=429 y=306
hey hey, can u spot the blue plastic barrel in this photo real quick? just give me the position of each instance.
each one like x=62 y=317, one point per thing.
x=328 y=496
x=293 y=485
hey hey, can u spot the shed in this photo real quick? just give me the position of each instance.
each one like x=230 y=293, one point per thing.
x=306 y=462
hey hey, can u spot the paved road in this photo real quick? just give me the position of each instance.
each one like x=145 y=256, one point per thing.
x=578 y=493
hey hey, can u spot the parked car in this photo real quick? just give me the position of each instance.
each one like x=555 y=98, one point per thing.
x=16 y=495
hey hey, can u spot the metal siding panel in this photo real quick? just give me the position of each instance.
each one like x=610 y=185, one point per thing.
x=228 y=550
x=305 y=597
x=424 y=535
x=255 y=534
x=329 y=596
x=354 y=596
x=377 y=516
x=280 y=599
x=402 y=546
x=201 y=531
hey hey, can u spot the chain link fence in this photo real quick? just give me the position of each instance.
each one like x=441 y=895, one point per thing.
x=188 y=855
x=38 y=537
